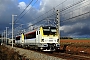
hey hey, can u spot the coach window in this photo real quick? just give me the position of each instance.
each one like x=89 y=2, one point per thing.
x=18 y=38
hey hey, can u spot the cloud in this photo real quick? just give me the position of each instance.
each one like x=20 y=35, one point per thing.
x=76 y=20
x=7 y=8
x=72 y=27
x=22 y=6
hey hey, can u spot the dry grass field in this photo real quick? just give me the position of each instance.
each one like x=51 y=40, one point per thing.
x=76 y=45
x=75 y=40
x=9 y=54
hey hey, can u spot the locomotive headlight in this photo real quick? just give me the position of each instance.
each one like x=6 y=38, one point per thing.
x=57 y=40
x=42 y=40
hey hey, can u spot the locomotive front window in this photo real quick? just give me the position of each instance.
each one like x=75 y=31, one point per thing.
x=49 y=31
x=53 y=31
x=46 y=31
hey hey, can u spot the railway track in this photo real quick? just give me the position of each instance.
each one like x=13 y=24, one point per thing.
x=67 y=56
x=70 y=56
x=64 y=55
x=34 y=55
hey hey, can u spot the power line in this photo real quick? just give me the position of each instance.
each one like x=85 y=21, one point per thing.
x=52 y=9
x=57 y=6
x=72 y=5
x=39 y=21
x=45 y=12
x=24 y=10
x=27 y=11
x=76 y=8
x=75 y=16
x=62 y=9
x=78 y=14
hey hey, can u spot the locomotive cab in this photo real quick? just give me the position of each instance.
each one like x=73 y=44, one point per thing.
x=49 y=38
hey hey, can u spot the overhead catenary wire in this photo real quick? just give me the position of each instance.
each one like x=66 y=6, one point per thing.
x=50 y=10
x=76 y=8
x=39 y=21
x=78 y=14
x=63 y=8
x=60 y=11
x=75 y=16
x=72 y=5
x=27 y=11
x=23 y=10
x=55 y=7
x=45 y=13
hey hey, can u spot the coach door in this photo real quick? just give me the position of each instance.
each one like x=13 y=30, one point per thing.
x=37 y=36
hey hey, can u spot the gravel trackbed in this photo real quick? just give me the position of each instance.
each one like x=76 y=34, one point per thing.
x=32 y=55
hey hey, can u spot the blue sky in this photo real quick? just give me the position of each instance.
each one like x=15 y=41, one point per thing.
x=37 y=5
x=26 y=1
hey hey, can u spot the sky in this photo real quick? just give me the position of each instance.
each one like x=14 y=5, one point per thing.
x=74 y=15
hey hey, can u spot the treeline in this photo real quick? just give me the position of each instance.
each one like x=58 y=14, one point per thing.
x=66 y=38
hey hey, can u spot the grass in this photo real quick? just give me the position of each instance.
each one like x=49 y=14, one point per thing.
x=8 y=54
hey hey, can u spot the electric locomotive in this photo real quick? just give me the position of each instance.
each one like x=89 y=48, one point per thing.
x=45 y=38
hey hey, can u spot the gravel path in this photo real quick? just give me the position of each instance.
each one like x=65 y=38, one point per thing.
x=32 y=55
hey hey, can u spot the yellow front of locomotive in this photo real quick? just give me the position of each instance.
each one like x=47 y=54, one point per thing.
x=50 y=38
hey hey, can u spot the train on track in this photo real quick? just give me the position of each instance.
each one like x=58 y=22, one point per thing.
x=45 y=38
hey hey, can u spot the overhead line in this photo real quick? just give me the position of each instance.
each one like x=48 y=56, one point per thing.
x=28 y=10
x=24 y=10
x=62 y=9
x=76 y=9
x=44 y=13
x=55 y=7
x=50 y=9
x=75 y=16
x=72 y=5
x=39 y=21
